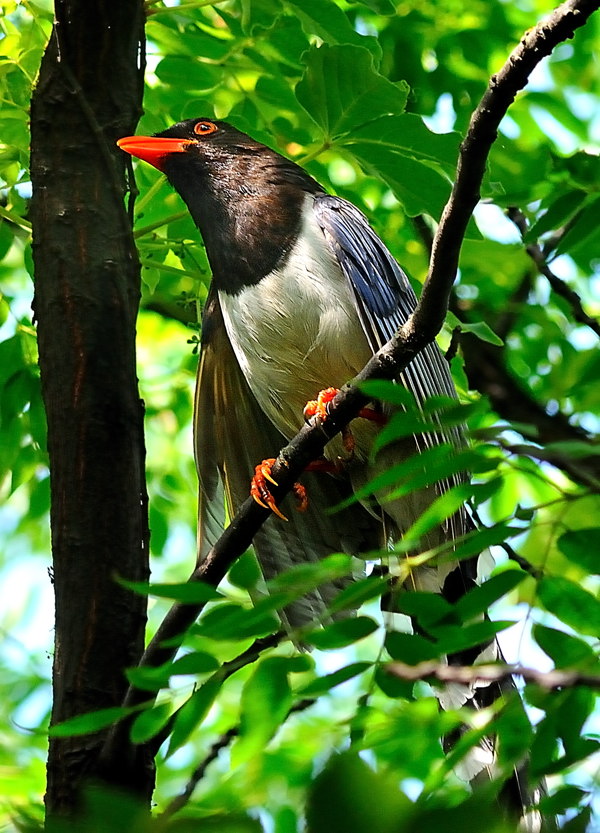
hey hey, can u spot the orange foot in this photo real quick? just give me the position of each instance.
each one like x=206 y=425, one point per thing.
x=319 y=407
x=261 y=493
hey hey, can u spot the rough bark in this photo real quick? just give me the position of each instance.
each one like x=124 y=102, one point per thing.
x=87 y=289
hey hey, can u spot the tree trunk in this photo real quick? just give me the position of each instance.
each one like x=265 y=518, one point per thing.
x=87 y=288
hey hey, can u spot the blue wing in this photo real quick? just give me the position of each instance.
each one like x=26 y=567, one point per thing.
x=384 y=301
x=384 y=297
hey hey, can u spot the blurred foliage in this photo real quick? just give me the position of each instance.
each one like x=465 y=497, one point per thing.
x=372 y=98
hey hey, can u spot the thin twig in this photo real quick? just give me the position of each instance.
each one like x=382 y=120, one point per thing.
x=470 y=674
x=558 y=286
x=199 y=772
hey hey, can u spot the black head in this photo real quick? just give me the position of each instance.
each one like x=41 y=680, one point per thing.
x=245 y=198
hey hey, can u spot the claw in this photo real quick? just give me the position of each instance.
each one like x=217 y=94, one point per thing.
x=259 y=489
x=348 y=441
x=260 y=492
x=318 y=407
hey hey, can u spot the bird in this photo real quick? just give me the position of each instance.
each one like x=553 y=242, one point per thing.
x=303 y=293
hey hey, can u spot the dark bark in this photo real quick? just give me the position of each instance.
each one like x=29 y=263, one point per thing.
x=87 y=288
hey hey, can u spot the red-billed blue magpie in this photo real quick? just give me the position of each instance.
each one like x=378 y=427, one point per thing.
x=303 y=293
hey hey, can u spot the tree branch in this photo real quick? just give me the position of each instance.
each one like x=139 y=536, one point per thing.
x=469 y=674
x=535 y=44
x=419 y=330
x=558 y=286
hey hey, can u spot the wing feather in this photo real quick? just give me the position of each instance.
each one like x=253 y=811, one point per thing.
x=384 y=301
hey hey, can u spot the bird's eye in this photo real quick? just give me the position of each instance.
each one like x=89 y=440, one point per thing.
x=205 y=128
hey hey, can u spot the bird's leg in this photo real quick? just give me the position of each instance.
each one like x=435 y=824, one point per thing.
x=259 y=489
x=319 y=407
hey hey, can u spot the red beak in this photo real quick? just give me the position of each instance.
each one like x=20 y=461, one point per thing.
x=152 y=149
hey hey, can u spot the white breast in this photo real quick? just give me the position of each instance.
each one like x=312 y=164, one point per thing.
x=297 y=331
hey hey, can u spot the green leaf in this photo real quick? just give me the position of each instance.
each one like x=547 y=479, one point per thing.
x=435 y=464
x=564 y=650
x=359 y=592
x=558 y=212
x=408 y=135
x=266 y=700
x=575 y=448
x=580 y=823
x=430 y=609
x=576 y=707
x=514 y=733
x=328 y=22
x=341 y=89
x=406 y=424
x=221 y=822
x=147 y=724
x=86 y=724
x=149 y=679
x=410 y=648
x=198 y=75
x=582 y=547
x=479 y=599
x=380 y=6
x=452 y=639
x=483 y=332
x=302 y=578
x=342 y=633
x=422 y=469
x=190 y=592
x=442 y=508
x=480 y=539
x=233 y=622
x=193 y=712
x=348 y=796
x=196 y=662
x=584 y=227
x=571 y=604
x=419 y=184
x=565 y=798
x=392 y=686
x=323 y=684
x=245 y=572
x=389 y=392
